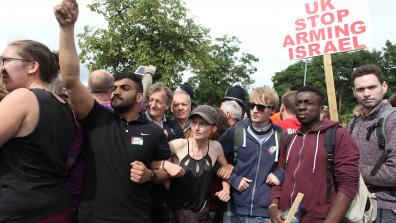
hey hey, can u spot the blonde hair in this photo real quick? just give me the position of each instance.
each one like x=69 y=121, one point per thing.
x=266 y=95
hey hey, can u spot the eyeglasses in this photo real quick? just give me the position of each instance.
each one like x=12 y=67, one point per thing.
x=260 y=107
x=3 y=60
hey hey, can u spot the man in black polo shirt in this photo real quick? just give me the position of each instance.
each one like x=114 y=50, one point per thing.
x=121 y=144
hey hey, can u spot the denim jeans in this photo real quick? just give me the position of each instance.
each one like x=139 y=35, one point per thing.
x=231 y=217
x=385 y=216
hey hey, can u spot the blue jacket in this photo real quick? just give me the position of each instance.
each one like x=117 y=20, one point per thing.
x=255 y=161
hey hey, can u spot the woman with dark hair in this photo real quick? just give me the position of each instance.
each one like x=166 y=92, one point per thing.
x=36 y=131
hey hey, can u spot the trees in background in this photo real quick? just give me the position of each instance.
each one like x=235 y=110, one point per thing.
x=389 y=65
x=159 y=32
x=224 y=67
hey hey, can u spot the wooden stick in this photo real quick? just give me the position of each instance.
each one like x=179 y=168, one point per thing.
x=294 y=208
x=331 y=96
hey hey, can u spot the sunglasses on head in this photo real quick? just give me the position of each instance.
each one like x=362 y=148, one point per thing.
x=260 y=107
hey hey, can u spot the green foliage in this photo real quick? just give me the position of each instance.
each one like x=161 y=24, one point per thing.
x=158 y=32
x=343 y=63
x=142 y=32
x=346 y=118
x=225 y=66
x=389 y=66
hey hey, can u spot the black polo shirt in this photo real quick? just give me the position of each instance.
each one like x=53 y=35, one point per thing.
x=108 y=194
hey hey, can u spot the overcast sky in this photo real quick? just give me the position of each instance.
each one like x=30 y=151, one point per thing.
x=258 y=24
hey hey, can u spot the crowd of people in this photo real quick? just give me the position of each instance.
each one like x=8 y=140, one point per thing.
x=111 y=152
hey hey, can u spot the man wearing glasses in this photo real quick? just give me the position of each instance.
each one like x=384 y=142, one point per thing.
x=254 y=159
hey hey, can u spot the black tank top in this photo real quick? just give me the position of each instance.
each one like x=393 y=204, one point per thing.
x=191 y=191
x=33 y=168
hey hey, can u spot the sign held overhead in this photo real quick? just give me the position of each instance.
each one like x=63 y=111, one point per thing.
x=327 y=26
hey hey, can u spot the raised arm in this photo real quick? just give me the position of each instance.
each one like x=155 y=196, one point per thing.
x=81 y=100
x=147 y=78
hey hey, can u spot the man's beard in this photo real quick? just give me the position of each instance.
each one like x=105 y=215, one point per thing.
x=124 y=106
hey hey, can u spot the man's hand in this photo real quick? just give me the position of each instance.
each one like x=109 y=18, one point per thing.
x=150 y=69
x=66 y=12
x=244 y=184
x=174 y=170
x=272 y=180
x=275 y=214
x=139 y=172
x=225 y=171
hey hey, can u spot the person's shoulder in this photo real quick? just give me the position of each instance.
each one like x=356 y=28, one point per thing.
x=342 y=136
x=342 y=131
x=214 y=143
x=228 y=134
x=278 y=128
x=389 y=119
x=389 y=111
x=20 y=96
x=176 y=144
x=392 y=118
x=245 y=123
x=179 y=142
x=145 y=123
x=170 y=121
x=99 y=109
x=20 y=92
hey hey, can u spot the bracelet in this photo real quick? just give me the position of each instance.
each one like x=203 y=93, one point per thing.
x=272 y=205
x=163 y=164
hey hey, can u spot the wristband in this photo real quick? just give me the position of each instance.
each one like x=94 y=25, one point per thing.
x=273 y=205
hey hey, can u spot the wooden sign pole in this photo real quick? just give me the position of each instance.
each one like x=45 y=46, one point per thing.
x=294 y=208
x=330 y=87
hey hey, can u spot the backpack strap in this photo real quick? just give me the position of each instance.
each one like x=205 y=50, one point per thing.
x=329 y=144
x=380 y=133
x=279 y=134
x=353 y=123
x=289 y=138
x=239 y=138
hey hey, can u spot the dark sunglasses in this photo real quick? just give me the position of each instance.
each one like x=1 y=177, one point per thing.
x=260 y=107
